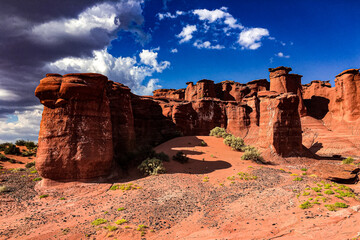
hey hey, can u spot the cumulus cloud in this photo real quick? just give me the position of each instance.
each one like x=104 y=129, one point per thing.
x=186 y=33
x=281 y=55
x=126 y=70
x=35 y=33
x=250 y=38
x=174 y=50
x=25 y=125
x=217 y=14
x=199 y=44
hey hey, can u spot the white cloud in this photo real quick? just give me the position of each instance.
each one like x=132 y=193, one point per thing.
x=26 y=126
x=150 y=58
x=162 y=16
x=207 y=45
x=7 y=95
x=174 y=50
x=281 y=55
x=126 y=70
x=106 y=16
x=186 y=33
x=250 y=38
x=217 y=14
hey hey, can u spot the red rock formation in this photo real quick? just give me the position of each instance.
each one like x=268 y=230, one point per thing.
x=202 y=89
x=280 y=126
x=170 y=93
x=75 y=139
x=122 y=118
x=283 y=82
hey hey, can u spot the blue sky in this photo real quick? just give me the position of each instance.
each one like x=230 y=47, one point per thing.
x=148 y=44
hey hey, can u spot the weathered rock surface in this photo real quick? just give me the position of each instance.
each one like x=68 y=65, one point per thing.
x=75 y=139
x=178 y=94
x=343 y=173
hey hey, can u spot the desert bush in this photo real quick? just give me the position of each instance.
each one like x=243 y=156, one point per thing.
x=30 y=145
x=180 y=157
x=30 y=164
x=20 y=142
x=3 y=146
x=235 y=143
x=251 y=153
x=152 y=166
x=348 y=160
x=203 y=144
x=121 y=221
x=27 y=154
x=12 y=149
x=3 y=157
x=98 y=221
x=218 y=132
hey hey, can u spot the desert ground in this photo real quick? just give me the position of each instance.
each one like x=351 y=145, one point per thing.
x=216 y=195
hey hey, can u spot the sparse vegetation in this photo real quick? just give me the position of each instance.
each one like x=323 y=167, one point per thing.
x=44 y=196
x=121 y=209
x=304 y=169
x=219 y=132
x=30 y=164
x=297 y=179
x=12 y=150
x=180 y=157
x=235 y=143
x=251 y=153
x=98 y=222
x=152 y=166
x=348 y=160
x=306 y=205
x=37 y=179
x=3 y=157
x=203 y=144
x=111 y=228
x=121 y=221
x=141 y=227
x=125 y=187
x=205 y=179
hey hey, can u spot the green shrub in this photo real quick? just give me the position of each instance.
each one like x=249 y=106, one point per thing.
x=27 y=154
x=341 y=205
x=180 y=157
x=98 y=221
x=37 y=179
x=330 y=207
x=20 y=142
x=12 y=149
x=121 y=209
x=297 y=179
x=121 y=221
x=251 y=153
x=152 y=166
x=329 y=192
x=111 y=228
x=218 y=132
x=3 y=146
x=348 y=160
x=305 y=205
x=203 y=144
x=44 y=196
x=141 y=227
x=30 y=164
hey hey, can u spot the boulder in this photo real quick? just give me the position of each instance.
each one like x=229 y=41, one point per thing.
x=340 y=173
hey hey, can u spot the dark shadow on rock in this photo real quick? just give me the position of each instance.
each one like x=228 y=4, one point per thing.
x=317 y=106
x=316 y=147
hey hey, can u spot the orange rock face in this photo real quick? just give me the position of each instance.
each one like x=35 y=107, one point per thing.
x=75 y=139
x=283 y=82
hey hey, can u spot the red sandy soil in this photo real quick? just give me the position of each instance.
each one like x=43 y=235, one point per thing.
x=180 y=204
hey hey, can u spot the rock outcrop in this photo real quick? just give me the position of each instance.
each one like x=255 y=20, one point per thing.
x=75 y=138
x=282 y=81
x=89 y=122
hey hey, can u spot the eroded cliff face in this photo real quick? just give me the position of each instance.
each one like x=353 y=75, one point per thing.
x=75 y=138
x=338 y=107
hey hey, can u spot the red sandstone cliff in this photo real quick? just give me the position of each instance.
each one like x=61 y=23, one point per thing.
x=75 y=138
